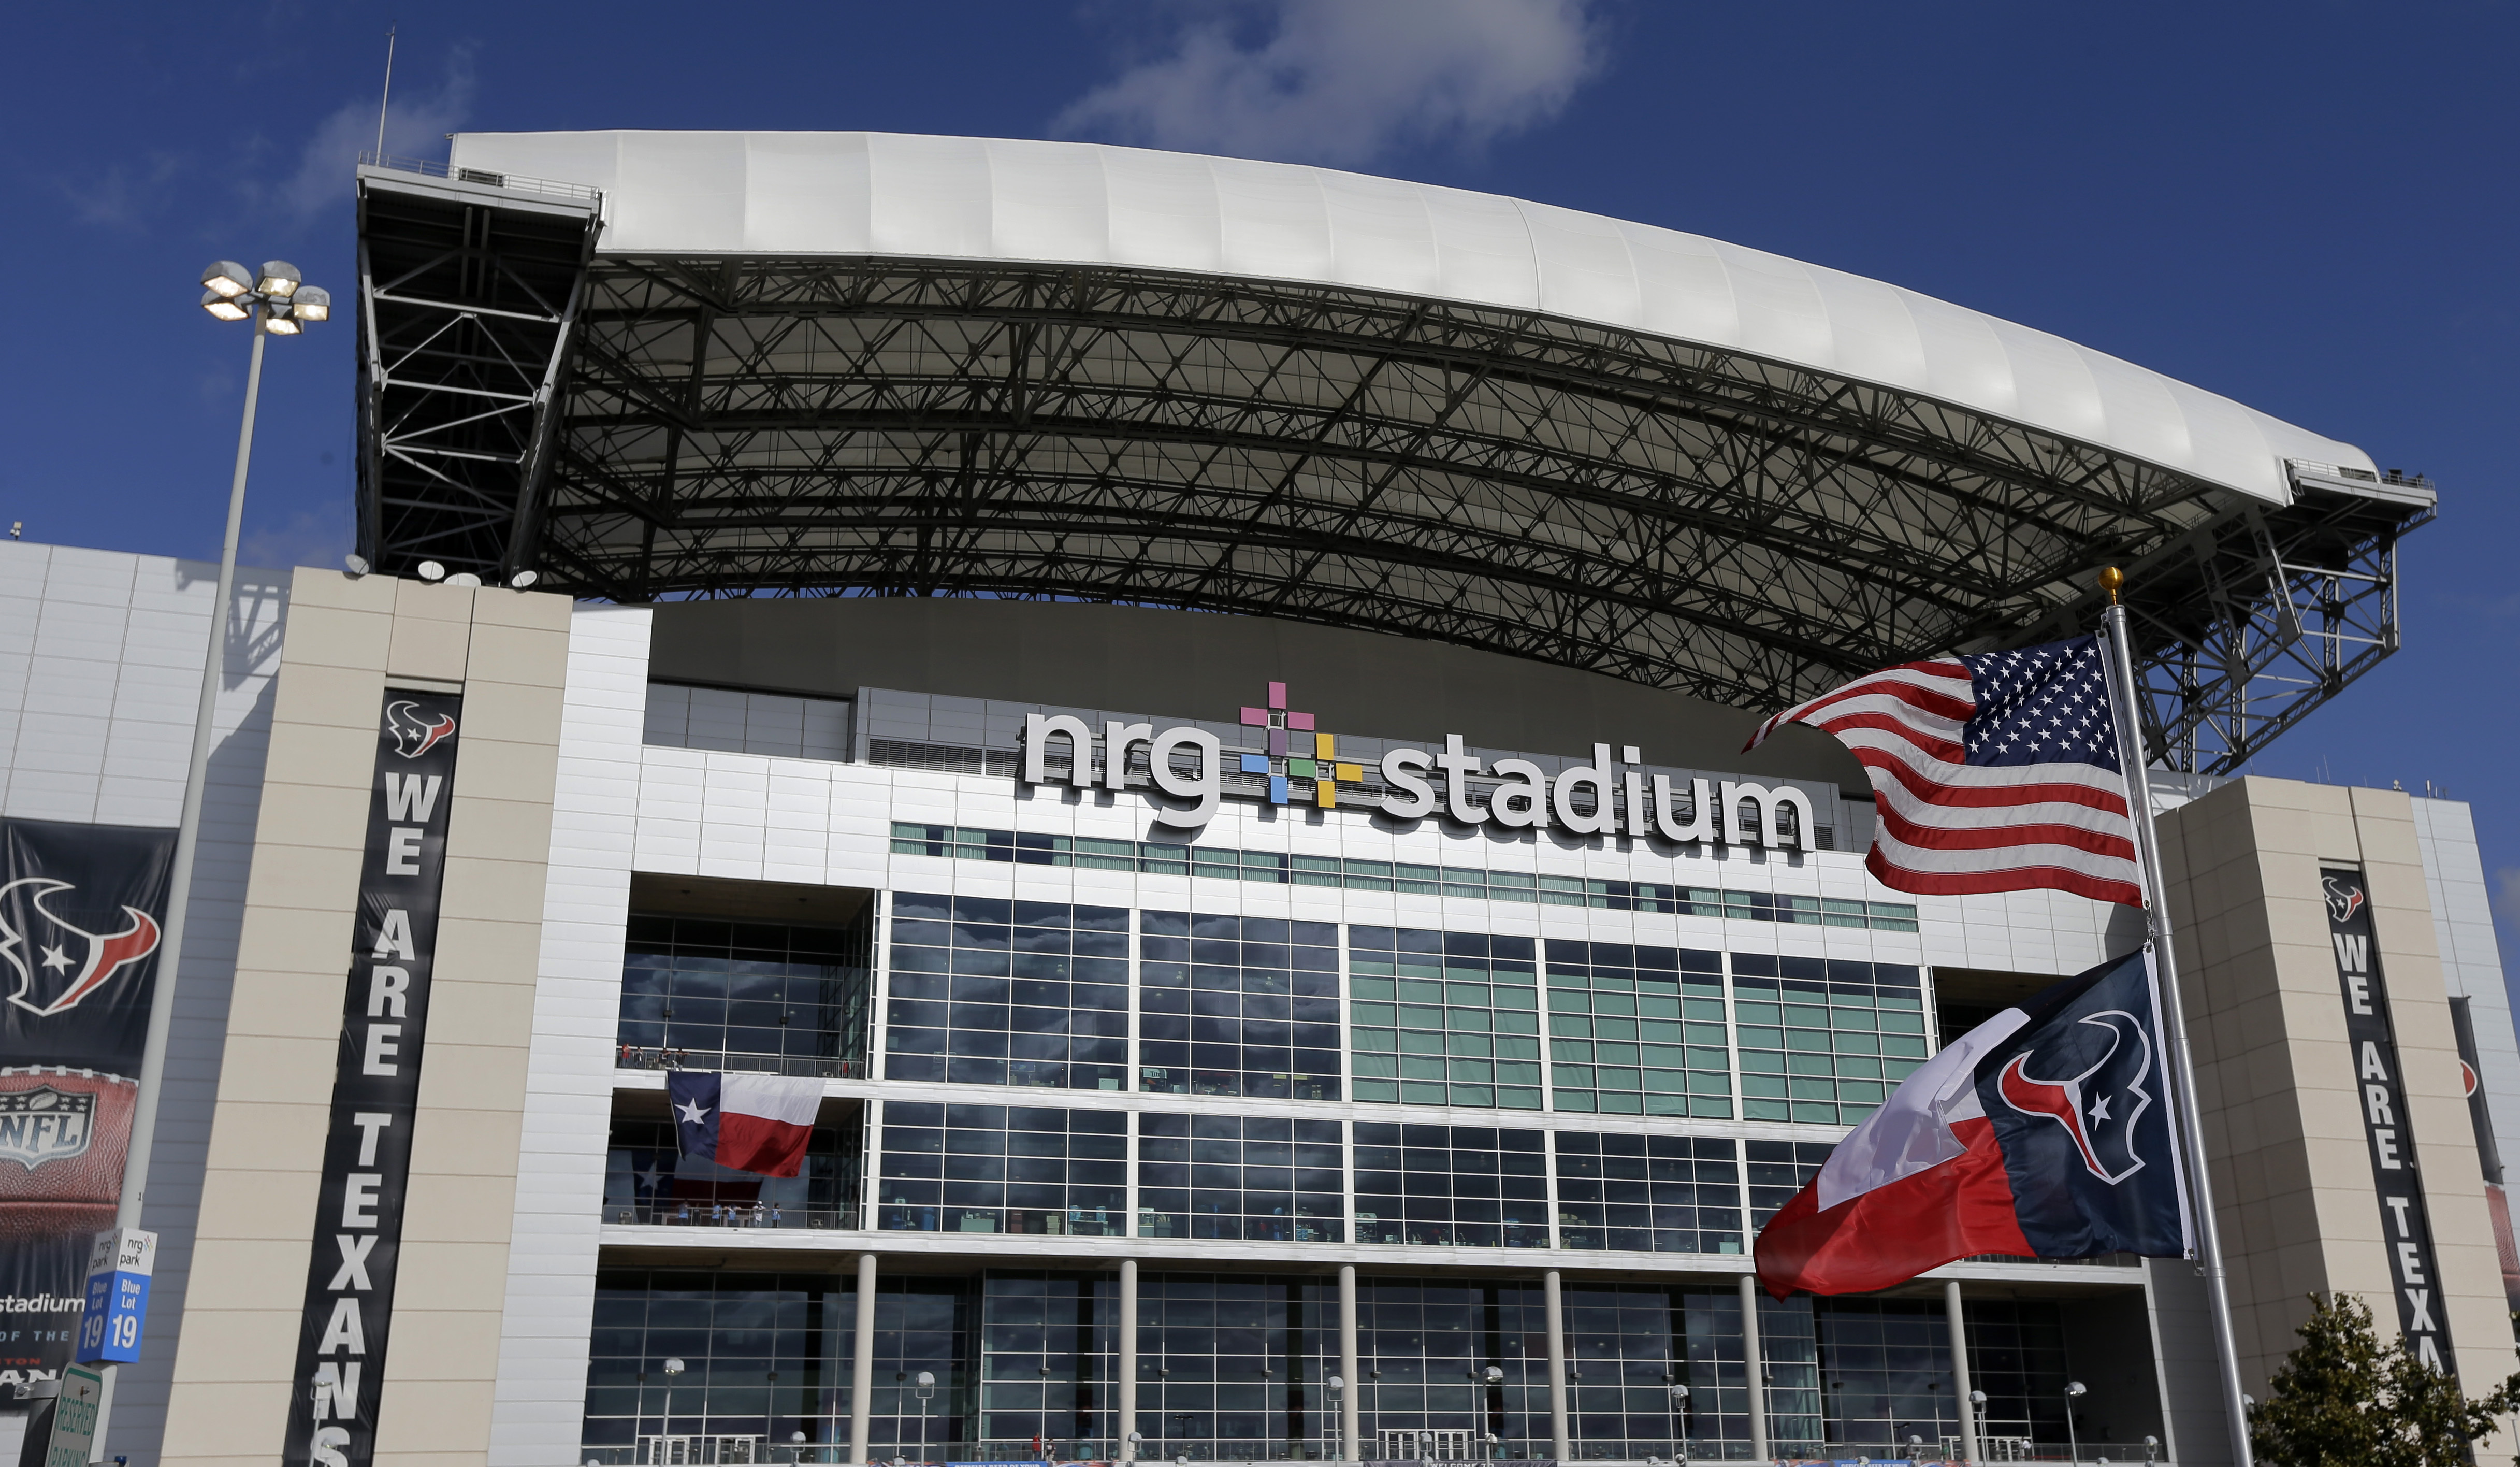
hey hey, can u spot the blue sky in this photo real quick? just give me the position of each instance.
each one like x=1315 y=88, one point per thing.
x=2309 y=206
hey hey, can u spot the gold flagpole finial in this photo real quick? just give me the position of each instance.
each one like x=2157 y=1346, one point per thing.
x=2110 y=579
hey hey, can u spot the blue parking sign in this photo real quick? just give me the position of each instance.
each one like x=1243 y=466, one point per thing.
x=117 y=1297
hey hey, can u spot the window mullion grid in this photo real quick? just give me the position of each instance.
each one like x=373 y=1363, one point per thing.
x=1548 y=1149
x=878 y=1023
x=1741 y=1100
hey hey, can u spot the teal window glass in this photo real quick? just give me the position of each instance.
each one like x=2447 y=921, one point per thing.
x=1637 y=1030
x=1825 y=1040
x=1442 y=1018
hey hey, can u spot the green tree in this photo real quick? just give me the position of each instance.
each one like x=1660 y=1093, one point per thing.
x=2344 y=1400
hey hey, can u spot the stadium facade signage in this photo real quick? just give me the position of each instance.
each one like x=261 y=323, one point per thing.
x=1603 y=797
x=375 y=1088
x=2405 y=1225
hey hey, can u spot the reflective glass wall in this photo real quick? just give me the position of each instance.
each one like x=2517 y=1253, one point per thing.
x=1234 y=1367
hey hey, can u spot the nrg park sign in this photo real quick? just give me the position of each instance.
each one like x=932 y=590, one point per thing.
x=1601 y=799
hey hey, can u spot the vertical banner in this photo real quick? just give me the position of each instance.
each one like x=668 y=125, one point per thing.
x=79 y=913
x=2406 y=1226
x=376 y=1088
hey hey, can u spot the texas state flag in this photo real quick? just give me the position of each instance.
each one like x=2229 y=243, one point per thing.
x=751 y=1122
x=2044 y=1131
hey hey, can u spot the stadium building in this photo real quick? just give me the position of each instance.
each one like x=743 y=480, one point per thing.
x=1201 y=700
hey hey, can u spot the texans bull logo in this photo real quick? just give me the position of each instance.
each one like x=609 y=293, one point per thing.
x=59 y=964
x=414 y=735
x=2097 y=1106
x=2344 y=899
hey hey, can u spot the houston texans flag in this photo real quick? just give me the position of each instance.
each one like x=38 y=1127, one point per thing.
x=751 y=1122
x=1995 y=772
x=2044 y=1131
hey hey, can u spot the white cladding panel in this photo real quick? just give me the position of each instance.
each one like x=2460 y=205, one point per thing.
x=993 y=199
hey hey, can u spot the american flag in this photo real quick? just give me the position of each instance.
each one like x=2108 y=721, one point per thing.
x=1991 y=773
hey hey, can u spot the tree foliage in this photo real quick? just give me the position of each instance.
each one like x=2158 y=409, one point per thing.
x=2343 y=1398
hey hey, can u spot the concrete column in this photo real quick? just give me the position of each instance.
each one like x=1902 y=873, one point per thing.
x=1124 y=1398
x=1960 y=1369
x=1757 y=1372
x=1559 y=1441
x=1348 y=1445
x=862 y=1363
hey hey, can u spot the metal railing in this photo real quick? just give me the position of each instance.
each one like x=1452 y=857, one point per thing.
x=763 y=1216
x=432 y=168
x=699 y=1451
x=658 y=1057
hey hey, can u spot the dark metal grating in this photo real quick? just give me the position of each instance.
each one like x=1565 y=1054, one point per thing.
x=1675 y=515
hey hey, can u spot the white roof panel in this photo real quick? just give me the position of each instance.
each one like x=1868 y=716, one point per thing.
x=869 y=193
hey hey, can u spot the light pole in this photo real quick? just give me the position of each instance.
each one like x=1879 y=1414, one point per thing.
x=1680 y=1424
x=1977 y=1424
x=924 y=1388
x=278 y=303
x=2074 y=1392
x=673 y=1367
x=1330 y=1425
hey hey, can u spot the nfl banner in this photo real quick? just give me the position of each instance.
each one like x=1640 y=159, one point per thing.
x=79 y=913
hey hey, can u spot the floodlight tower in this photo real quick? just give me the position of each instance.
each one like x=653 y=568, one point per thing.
x=279 y=303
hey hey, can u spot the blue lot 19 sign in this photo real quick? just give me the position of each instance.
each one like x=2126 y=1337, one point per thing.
x=116 y=1313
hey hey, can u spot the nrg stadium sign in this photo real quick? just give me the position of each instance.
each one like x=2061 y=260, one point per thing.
x=1299 y=761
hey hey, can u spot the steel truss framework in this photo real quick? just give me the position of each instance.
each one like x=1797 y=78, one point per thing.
x=1662 y=512
x=466 y=304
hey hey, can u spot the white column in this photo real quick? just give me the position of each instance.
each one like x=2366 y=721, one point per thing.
x=1348 y=1414
x=1556 y=1321
x=1959 y=1370
x=1757 y=1370
x=1124 y=1398
x=862 y=1363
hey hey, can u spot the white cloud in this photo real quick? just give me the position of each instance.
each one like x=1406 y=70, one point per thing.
x=1342 y=81
x=416 y=126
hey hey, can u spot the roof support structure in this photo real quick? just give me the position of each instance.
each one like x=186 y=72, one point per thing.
x=467 y=294
x=1674 y=514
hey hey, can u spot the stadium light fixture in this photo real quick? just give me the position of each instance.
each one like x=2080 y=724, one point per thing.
x=228 y=292
x=311 y=302
x=227 y=279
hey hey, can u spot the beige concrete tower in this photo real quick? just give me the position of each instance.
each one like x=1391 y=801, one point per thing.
x=2284 y=1108
x=349 y=640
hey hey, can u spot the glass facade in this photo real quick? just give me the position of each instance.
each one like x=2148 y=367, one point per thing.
x=994 y=1168
x=1275 y=867
x=1777 y=1169
x=1261 y=1179
x=1239 y=1012
x=995 y=993
x=1444 y=1017
x=1824 y=1042
x=1462 y=1187
x=708 y=994
x=1234 y=1366
x=1637 y=1030
x=1650 y=1193
x=1238 y=1006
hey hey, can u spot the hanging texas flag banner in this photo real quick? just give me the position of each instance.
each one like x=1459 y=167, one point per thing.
x=750 y=1122
x=2044 y=1131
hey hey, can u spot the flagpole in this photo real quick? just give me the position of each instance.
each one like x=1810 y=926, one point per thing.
x=2131 y=757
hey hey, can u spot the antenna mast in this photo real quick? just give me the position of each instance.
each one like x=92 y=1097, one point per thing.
x=387 y=97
